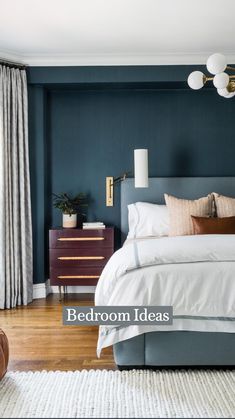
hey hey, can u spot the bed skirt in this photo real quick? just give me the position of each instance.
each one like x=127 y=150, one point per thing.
x=176 y=349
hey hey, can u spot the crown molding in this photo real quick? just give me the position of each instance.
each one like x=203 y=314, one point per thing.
x=44 y=60
x=12 y=56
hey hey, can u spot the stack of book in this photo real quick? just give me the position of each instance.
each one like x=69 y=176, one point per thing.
x=94 y=225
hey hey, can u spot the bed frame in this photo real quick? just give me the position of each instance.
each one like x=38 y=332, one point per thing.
x=176 y=348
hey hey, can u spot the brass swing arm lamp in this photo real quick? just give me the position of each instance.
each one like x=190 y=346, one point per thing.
x=110 y=182
x=140 y=175
x=121 y=178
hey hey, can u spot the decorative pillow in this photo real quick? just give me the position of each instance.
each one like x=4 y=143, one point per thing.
x=147 y=219
x=4 y=353
x=205 y=225
x=224 y=205
x=180 y=211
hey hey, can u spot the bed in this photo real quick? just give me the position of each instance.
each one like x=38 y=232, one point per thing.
x=203 y=335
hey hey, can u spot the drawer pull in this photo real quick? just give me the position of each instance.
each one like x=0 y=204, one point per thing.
x=76 y=239
x=80 y=257
x=77 y=276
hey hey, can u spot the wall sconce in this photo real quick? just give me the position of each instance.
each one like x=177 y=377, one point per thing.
x=140 y=174
x=141 y=168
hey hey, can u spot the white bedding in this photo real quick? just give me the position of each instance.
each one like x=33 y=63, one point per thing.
x=194 y=274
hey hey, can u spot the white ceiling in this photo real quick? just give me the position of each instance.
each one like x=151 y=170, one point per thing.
x=106 y=32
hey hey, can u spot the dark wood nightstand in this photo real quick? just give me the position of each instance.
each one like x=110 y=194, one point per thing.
x=77 y=257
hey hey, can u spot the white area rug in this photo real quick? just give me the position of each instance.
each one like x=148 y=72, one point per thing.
x=115 y=394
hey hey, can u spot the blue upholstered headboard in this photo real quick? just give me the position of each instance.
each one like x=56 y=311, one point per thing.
x=182 y=187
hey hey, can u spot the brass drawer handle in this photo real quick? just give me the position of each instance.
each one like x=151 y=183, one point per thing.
x=81 y=257
x=77 y=276
x=76 y=239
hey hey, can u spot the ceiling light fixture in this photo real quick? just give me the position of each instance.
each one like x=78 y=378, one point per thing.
x=224 y=83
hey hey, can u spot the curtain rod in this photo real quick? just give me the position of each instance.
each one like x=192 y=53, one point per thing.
x=12 y=64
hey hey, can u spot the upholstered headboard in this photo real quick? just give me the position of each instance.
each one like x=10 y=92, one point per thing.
x=182 y=187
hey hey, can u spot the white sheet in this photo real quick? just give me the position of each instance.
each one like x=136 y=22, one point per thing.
x=194 y=274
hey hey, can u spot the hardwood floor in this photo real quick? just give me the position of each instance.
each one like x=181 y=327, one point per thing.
x=39 y=341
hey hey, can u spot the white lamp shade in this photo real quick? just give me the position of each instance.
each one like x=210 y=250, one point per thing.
x=216 y=63
x=221 y=80
x=141 y=168
x=196 y=80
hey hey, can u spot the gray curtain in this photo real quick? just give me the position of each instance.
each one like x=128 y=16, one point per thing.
x=16 y=285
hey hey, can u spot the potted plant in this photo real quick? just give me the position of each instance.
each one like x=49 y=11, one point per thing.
x=70 y=207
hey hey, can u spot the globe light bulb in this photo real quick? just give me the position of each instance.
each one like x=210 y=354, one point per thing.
x=196 y=80
x=216 y=63
x=223 y=92
x=221 y=80
x=232 y=94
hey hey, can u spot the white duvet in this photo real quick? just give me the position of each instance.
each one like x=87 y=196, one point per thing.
x=194 y=274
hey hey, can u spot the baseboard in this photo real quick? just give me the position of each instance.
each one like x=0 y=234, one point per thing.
x=44 y=289
x=75 y=289
x=41 y=290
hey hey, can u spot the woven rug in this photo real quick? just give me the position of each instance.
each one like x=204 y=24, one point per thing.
x=115 y=394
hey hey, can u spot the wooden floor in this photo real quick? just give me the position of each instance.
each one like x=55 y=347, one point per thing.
x=38 y=340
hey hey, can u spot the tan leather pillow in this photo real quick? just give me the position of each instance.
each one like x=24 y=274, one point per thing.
x=4 y=353
x=180 y=211
x=205 y=225
x=224 y=205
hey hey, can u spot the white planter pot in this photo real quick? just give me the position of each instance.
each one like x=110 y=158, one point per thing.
x=69 y=221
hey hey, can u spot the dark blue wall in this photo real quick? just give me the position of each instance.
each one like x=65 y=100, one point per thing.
x=85 y=125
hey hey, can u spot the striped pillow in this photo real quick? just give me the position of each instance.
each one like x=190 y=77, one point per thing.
x=224 y=205
x=180 y=211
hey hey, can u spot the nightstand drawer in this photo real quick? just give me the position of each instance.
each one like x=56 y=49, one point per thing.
x=62 y=258
x=79 y=239
x=75 y=276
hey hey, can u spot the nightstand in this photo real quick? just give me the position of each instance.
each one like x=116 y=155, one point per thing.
x=77 y=257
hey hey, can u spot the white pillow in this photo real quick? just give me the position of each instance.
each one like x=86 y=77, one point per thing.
x=147 y=219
